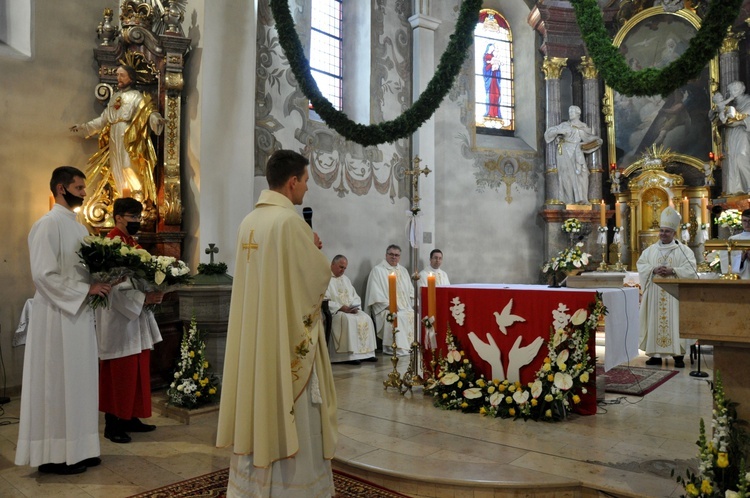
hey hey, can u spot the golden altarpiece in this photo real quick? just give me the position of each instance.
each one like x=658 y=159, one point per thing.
x=151 y=40
x=659 y=150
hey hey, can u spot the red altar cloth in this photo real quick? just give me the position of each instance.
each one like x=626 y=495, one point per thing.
x=481 y=303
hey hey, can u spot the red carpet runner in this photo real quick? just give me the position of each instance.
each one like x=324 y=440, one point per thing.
x=214 y=485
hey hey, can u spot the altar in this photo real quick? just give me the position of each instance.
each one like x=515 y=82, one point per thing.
x=522 y=316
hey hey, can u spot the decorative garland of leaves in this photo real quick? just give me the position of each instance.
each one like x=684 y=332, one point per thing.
x=408 y=122
x=614 y=69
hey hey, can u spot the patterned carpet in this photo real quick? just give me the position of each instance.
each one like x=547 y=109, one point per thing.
x=214 y=485
x=635 y=381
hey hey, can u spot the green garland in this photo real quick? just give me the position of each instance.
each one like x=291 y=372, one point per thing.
x=408 y=122
x=651 y=81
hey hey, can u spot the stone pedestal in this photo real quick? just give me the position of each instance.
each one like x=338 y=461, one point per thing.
x=209 y=304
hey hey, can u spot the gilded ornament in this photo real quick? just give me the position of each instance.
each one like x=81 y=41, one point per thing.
x=553 y=67
x=732 y=42
x=588 y=68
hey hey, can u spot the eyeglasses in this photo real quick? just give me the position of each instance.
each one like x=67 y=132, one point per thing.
x=393 y=254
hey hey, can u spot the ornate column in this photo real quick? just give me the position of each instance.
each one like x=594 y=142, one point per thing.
x=729 y=59
x=591 y=116
x=552 y=68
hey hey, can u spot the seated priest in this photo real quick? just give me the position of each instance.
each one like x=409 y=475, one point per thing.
x=741 y=258
x=441 y=278
x=377 y=300
x=352 y=332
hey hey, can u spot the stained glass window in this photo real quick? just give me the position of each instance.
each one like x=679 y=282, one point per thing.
x=493 y=75
x=325 y=49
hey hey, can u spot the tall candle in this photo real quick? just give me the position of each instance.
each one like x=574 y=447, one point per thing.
x=126 y=192
x=603 y=214
x=704 y=210
x=685 y=210
x=392 y=299
x=431 y=295
x=618 y=216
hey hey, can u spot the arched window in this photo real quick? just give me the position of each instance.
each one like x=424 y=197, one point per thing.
x=325 y=49
x=494 y=99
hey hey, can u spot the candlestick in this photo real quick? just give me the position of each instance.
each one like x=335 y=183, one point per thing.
x=603 y=214
x=392 y=299
x=704 y=210
x=685 y=210
x=618 y=216
x=431 y=295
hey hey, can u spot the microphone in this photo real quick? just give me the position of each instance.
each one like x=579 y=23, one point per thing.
x=695 y=270
x=307 y=215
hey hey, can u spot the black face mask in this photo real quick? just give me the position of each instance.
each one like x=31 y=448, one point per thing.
x=133 y=227
x=73 y=200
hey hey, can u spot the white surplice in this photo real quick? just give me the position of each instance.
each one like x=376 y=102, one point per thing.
x=376 y=302
x=660 y=317
x=59 y=420
x=441 y=278
x=352 y=334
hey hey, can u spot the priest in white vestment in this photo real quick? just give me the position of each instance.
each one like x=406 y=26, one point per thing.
x=58 y=427
x=377 y=302
x=741 y=257
x=441 y=278
x=278 y=403
x=659 y=316
x=352 y=332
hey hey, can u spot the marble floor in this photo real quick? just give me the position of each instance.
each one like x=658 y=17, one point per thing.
x=404 y=443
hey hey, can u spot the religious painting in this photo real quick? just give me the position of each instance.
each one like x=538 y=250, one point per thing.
x=679 y=121
x=493 y=73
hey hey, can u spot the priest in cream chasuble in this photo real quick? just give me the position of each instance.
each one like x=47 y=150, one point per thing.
x=659 y=316
x=278 y=404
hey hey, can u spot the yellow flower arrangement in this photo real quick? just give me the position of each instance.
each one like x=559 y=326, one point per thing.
x=193 y=385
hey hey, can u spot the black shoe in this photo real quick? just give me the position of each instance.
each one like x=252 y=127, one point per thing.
x=114 y=429
x=135 y=425
x=353 y=362
x=653 y=361
x=371 y=358
x=62 y=469
x=91 y=462
x=679 y=361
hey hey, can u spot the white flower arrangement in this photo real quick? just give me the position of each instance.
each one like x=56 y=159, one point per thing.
x=730 y=218
x=193 y=385
x=570 y=258
x=685 y=226
x=602 y=229
x=616 y=229
x=571 y=225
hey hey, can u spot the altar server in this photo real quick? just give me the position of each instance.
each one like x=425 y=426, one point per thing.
x=659 y=317
x=58 y=429
x=352 y=332
x=278 y=403
x=377 y=302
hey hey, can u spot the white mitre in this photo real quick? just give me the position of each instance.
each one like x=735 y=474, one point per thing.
x=670 y=219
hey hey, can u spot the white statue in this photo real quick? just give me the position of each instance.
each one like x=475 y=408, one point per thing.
x=574 y=139
x=734 y=114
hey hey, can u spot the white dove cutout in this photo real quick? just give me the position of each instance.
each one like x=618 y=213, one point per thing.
x=505 y=319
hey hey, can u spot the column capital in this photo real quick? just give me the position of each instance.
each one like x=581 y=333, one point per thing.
x=731 y=42
x=588 y=69
x=424 y=21
x=553 y=66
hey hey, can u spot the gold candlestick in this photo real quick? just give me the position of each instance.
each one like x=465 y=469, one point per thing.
x=394 y=378
x=603 y=265
x=619 y=266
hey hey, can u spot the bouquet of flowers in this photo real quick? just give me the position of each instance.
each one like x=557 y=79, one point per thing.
x=570 y=258
x=730 y=218
x=165 y=274
x=571 y=225
x=722 y=471
x=110 y=261
x=193 y=385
